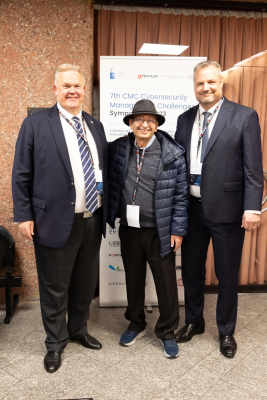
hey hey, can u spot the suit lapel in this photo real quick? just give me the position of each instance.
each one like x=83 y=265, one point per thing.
x=189 y=129
x=224 y=114
x=93 y=129
x=56 y=127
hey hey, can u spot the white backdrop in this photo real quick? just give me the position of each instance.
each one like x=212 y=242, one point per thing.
x=168 y=82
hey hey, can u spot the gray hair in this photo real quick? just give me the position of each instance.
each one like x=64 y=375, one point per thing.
x=68 y=67
x=208 y=63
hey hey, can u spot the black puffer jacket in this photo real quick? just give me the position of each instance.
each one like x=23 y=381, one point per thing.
x=170 y=198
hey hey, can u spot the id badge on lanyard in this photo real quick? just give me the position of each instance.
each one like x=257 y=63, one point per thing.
x=133 y=215
x=195 y=174
x=99 y=181
x=133 y=211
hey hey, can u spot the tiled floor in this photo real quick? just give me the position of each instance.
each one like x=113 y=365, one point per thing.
x=140 y=372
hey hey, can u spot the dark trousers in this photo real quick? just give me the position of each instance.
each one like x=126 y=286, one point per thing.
x=139 y=246
x=67 y=280
x=227 y=242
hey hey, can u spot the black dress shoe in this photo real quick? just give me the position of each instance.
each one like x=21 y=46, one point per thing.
x=88 y=341
x=52 y=361
x=228 y=345
x=188 y=331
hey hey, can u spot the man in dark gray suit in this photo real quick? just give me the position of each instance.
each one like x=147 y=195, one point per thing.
x=224 y=166
x=59 y=184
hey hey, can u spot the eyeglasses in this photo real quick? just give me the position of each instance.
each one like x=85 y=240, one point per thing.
x=149 y=121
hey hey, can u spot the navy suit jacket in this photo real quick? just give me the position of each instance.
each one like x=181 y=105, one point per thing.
x=42 y=179
x=232 y=175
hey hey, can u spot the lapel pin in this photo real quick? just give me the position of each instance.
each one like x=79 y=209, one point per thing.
x=91 y=122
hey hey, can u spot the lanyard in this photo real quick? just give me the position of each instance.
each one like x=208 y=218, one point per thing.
x=139 y=167
x=78 y=133
x=201 y=133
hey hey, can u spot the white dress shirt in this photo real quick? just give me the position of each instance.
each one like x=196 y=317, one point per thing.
x=195 y=190
x=75 y=158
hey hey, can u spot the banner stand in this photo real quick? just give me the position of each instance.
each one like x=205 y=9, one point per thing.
x=168 y=82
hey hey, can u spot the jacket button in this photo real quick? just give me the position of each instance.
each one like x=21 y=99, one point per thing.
x=72 y=183
x=72 y=203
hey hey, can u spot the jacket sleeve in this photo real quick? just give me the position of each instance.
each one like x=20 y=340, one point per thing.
x=180 y=202
x=252 y=163
x=22 y=174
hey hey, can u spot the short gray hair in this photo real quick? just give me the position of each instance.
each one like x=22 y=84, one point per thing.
x=208 y=63
x=68 y=67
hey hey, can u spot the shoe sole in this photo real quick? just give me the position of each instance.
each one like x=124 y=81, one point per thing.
x=227 y=355
x=198 y=332
x=166 y=354
x=141 y=334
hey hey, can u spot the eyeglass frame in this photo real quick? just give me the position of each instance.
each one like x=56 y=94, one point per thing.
x=141 y=121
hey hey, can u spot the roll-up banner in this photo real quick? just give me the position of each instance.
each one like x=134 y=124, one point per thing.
x=168 y=82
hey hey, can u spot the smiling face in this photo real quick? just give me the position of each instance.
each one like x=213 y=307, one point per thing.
x=143 y=126
x=208 y=84
x=69 y=90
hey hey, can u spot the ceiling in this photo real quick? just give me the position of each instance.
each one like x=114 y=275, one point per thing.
x=243 y=5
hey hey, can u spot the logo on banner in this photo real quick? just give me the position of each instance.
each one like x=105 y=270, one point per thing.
x=140 y=76
x=115 y=268
x=112 y=74
x=112 y=231
x=115 y=243
x=114 y=255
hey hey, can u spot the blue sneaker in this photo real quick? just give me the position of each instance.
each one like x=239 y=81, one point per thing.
x=129 y=337
x=171 y=349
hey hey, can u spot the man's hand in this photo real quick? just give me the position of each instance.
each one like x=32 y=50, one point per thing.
x=26 y=228
x=250 y=221
x=176 y=241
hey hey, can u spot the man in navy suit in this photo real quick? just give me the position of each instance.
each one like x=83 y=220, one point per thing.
x=59 y=190
x=224 y=166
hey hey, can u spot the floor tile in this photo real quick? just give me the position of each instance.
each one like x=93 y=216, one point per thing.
x=26 y=368
x=226 y=391
x=253 y=301
x=140 y=372
x=112 y=352
x=7 y=379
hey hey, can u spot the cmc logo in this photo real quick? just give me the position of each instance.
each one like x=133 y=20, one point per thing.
x=112 y=74
x=114 y=269
x=139 y=76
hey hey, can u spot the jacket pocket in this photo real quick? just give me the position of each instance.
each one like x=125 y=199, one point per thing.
x=233 y=186
x=38 y=203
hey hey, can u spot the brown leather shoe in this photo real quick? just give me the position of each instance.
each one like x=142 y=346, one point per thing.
x=52 y=361
x=228 y=345
x=188 y=331
x=88 y=341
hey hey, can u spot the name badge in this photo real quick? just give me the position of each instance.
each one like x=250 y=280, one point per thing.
x=98 y=175
x=132 y=216
x=195 y=174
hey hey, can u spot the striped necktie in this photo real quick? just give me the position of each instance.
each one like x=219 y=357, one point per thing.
x=88 y=171
x=205 y=138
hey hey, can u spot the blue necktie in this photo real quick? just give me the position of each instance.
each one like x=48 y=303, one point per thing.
x=205 y=137
x=88 y=171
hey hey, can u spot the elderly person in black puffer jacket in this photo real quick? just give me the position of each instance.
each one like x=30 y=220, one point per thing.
x=148 y=191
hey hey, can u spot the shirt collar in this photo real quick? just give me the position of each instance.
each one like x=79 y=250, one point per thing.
x=67 y=114
x=149 y=143
x=211 y=110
